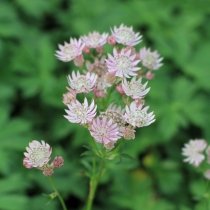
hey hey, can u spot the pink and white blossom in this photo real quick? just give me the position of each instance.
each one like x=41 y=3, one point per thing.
x=122 y=64
x=104 y=130
x=137 y=116
x=134 y=88
x=193 y=150
x=69 y=96
x=82 y=83
x=69 y=51
x=80 y=113
x=37 y=155
x=125 y=35
x=95 y=39
x=149 y=59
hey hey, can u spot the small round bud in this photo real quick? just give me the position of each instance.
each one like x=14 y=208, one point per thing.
x=110 y=145
x=48 y=171
x=99 y=93
x=58 y=162
x=79 y=60
x=111 y=40
x=129 y=133
x=99 y=50
x=120 y=89
x=110 y=78
x=86 y=50
x=149 y=75
x=69 y=96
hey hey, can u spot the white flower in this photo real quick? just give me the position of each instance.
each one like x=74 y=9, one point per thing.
x=122 y=64
x=193 y=151
x=95 y=39
x=70 y=50
x=82 y=83
x=37 y=155
x=134 y=88
x=137 y=115
x=149 y=59
x=126 y=35
x=80 y=113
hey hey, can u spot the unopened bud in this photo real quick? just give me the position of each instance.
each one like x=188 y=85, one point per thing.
x=79 y=60
x=58 y=162
x=111 y=40
x=99 y=50
x=129 y=133
x=120 y=89
x=110 y=78
x=48 y=171
x=149 y=75
x=86 y=50
x=110 y=145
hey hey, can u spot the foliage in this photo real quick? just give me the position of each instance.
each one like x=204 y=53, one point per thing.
x=32 y=82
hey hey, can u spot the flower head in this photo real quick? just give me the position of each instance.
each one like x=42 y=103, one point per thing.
x=149 y=59
x=37 y=155
x=95 y=39
x=104 y=130
x=137 y=116
x=193 y=151
x=82 y=83
x=69 y=51
x=126 y=35
x=134 y=88
x=129 y=133
x=115 y=113
x=81 y=113
x=122 y=64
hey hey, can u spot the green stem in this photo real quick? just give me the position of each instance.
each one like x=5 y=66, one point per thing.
x=93 y=184
x=56 y=191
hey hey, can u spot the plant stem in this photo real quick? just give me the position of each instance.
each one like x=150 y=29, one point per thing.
x=93 y=184
x=56 y=191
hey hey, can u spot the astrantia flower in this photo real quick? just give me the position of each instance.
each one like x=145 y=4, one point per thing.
x=70 y=51
x=81 y=113
x=37 y=155
x=104 y=130
x=126 y=35
x=149 y=59
x=137 y=115
x=82 y=83
x=95 y=39
x=115 y=113
x=134 y=88
x=193 y=151
x=122 y=64
x=129 y=133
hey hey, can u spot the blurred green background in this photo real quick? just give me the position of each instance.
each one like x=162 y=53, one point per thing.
x=32 y=82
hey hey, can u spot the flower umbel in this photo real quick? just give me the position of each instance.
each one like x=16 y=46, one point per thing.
x=95 y=39
x=122 y=64
x=137 y=115
x=126 y=35
x=70 y=51
x=104 y=130
x=193 y=151
x=82 y=83
x=81 y=113
x=134 y=88
x=37 y=155
x=149 y=59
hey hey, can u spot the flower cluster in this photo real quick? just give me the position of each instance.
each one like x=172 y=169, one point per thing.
x=102 y=74
x=194 y=154
x=38 y=156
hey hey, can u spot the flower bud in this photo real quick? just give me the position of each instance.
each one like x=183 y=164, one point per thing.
x=129 y=133
x=58 y=162
x=111 y=40
x=48 y=171
x=79 y=60
x=120 y=89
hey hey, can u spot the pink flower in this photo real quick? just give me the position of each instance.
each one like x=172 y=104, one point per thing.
x=82 y=83
x=70 y=50
x=137 y=115
x=126 y=35
x=122 y=64
x=193 y=151
x=134 y=88
x=80 y=113
x=149 y=59
x=58 y=161
x=37 y=155
x=94 y=39
x=104 y=130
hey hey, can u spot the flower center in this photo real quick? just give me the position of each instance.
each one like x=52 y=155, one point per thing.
x=123 y=63
x=81 y=112
x=82 y=82
x=150 y=60
x=135 y=87
x=94 y=39
x=125 y=35
x=70 y=50
x=39 y=155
